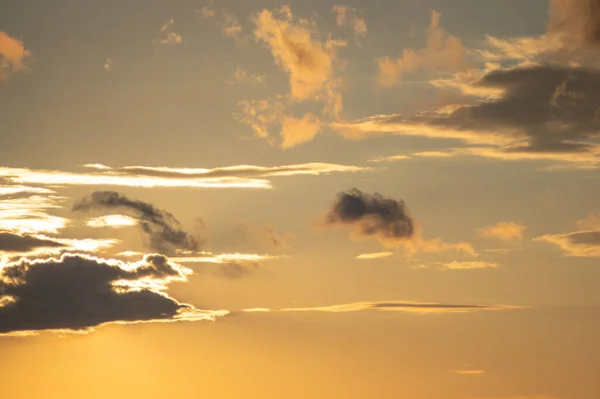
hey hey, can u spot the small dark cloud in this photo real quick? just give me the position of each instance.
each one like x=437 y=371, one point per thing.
x=11 y=242
x=161 y=227
x=373 y=215
x=77 y=292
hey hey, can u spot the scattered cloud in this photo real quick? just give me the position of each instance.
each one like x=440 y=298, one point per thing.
x=167 y=36
x=242 y=76
x=161 y=228
x=11 y=242
x=579 y=244
x=503 y=231
x=468 y=265
x=79 y=293
x=377 y=255
x=12 y=55
x=347 y=16
x=444 y=53
x=26 y=212
x=395 y=306
x=296 y=131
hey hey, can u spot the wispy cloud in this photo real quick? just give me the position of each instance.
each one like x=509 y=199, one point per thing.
x=504 y=231
x=167 y=36
x=468 y=372
x=394 y=306
x=377 y=255
x=584 y=243
x=243 y=76
x=113 y=221
x=234 y=266
x=352 y=17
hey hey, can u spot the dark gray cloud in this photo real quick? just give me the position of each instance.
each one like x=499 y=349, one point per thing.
x=547 y=109
x=77 y=292
x=372 y=214
x=11 y=242
x=163 y=229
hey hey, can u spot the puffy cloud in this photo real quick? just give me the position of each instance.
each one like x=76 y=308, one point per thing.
x=311 y=64
x=372 y=215
x=12 y=55
x=394 y=306
x=161 y=227
x=78 y=292
x=504 y=231
x=444 y=53
x=296 y=131
x=578 y=244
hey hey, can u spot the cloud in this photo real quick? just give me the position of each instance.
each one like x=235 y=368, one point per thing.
x=372 y=215
x=239 y=176
x=311 y=64
x=11 y=242
x=299 y=131
x=233 y=266
x=591 y=222
x=468 y=265
x=468 y=372
x=437 y=246
x=395 y=306
x=346 y=16
x=242 y=76
x=161 y=227
x=377 y=255
x=12 y=55
x=545 y=112
x=78 y=293
x=444 y=53
x=26 y=212
x=577 y=244
x=261 y=235
x=168 y=37
x=504 y=231
x=108 y=65
x=114 y=221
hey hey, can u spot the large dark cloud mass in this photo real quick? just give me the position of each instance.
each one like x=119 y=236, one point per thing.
x=372 y=214
x=555 y=109
x=162 y=228
x=11 y=242
x=78 y=292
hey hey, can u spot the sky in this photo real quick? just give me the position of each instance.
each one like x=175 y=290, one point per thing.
x=301 y=199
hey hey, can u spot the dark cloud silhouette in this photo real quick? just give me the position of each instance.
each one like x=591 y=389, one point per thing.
x=551 y=109
x=579 y=243
x=79 y=292
x=372 y=214
x=11 y=242
x=163 y=229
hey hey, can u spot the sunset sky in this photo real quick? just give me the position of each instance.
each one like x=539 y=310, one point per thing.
x=391 y=199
